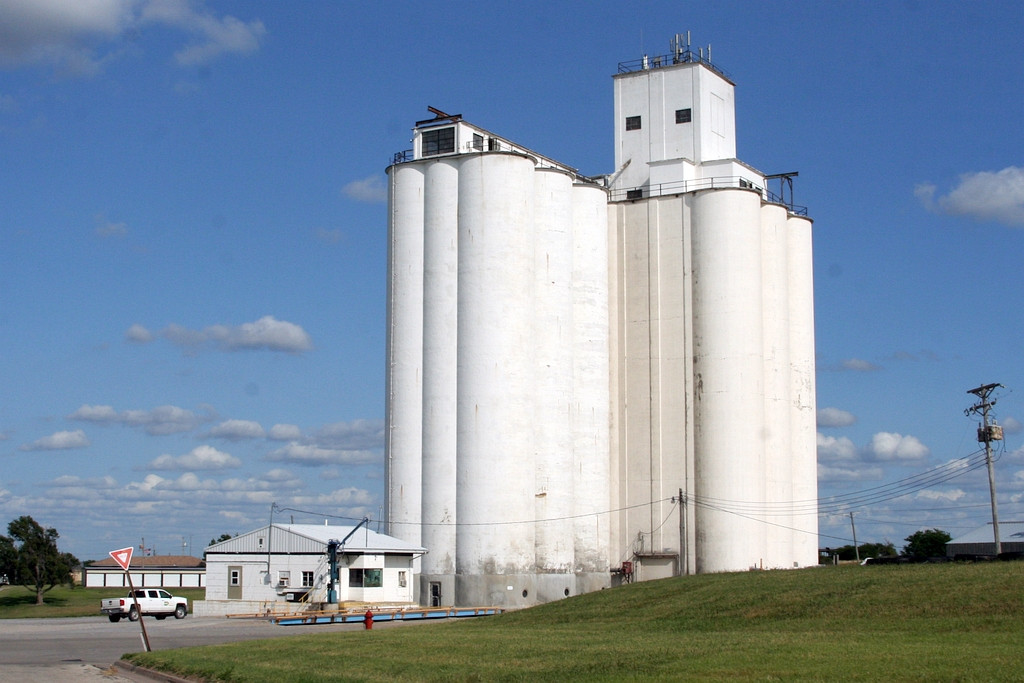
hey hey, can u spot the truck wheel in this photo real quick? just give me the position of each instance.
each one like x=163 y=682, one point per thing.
x=133 y=614
x=180 y=612
x=114 y=618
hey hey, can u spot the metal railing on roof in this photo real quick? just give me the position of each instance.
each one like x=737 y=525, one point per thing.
x=718 y=182
x=687 y=56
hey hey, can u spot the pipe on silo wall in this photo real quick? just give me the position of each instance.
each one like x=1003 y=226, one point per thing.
x=553 y=329
x=778 y=481
x=802 y=393
x=729 y=378
x=403 y=370
x=440 y=320
x=591 y=382
x=496 y=382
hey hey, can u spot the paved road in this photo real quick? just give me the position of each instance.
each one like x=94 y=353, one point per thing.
x=83 y=649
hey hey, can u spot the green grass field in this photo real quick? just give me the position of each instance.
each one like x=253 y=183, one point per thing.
x=16 y=602
x=948 y=622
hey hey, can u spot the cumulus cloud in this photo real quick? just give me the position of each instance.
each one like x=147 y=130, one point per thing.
x=370 y=189
x=311 y=455
x=78 y=37
x=834 y=417
x=285 y=432
x=832 y=448
x=828 y=473
x=160 y=421
x=137 y=334
x=358 y=434
x=891 y=446
x=199 y=458
x=237 y=430
x=859 y=365
x=268 y=334
x=985 y=196
x=947 y=496
x=1011 y=425
x=59 y=441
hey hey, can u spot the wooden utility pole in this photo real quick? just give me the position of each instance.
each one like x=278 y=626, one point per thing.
x=987 y=433
x=854 y=527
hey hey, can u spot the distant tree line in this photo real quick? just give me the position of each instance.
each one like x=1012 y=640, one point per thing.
x=29 y=557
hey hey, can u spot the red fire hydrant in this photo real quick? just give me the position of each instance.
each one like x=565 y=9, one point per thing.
x=368 y=620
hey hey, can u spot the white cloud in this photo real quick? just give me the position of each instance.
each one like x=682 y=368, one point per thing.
x=199 y=458
x=891 y=446
x=1011 y=425
x=827 y=473
x=157 y=422
x=59 y=441
x=948 y=496
x=137 y=334
x=984 y=195
x=78 y=37
x=358 y=434
x=309 y=455
x=236 y=430
x=268 y=333
x=859 y=365
x=834 y=417
x=832 y=448
x=285 y=432
x=370 y=189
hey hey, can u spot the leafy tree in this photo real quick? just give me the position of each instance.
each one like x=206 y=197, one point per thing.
x=222 y=537
x=926 y=543
x=39 y=565
x=8 y=558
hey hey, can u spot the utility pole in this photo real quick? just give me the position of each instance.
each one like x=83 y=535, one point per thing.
x=987 y=433
x=684 y=559
x=854 y=527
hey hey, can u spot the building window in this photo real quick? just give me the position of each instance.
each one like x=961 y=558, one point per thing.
x=236 y=577
x=284 y=579
x=401 y=579
x=632 y=123
x=365 y=578
x=478 y=142
x=307 y=579
x=440 y=141
x=684 y=115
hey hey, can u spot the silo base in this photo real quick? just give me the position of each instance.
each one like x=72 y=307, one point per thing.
x=498 y=590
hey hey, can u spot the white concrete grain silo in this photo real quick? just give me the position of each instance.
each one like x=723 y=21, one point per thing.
x=567 y=356
x=513 y=393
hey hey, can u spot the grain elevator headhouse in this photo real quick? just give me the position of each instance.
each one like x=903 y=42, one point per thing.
x=595 y=380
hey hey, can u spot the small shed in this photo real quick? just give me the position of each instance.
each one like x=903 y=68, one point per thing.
x=163 y=571
x=980 y=541
x=265 y=569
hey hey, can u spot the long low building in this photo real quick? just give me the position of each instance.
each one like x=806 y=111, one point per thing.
x=164 y=571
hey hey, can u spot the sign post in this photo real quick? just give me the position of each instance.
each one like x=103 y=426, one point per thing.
x=123 y=557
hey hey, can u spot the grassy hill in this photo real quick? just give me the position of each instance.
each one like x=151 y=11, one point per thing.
x=962 y=622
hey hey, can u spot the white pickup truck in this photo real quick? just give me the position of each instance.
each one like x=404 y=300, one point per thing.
x=152 y=602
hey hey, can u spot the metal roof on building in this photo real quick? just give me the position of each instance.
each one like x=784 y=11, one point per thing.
x=312 y=538
x=1008 y=532
x=154 y=562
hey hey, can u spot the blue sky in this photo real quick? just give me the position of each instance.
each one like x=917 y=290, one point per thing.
x=193 y=224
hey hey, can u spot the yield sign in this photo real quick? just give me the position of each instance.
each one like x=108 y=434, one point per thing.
x=123 y=557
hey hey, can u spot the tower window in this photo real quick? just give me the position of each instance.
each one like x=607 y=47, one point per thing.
x=632 y=123
x=684 y=115
x=440 y=141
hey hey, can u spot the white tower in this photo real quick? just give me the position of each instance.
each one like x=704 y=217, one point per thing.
x=713 y=337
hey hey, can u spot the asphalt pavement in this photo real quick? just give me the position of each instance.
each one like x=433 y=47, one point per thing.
x=85 y=648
